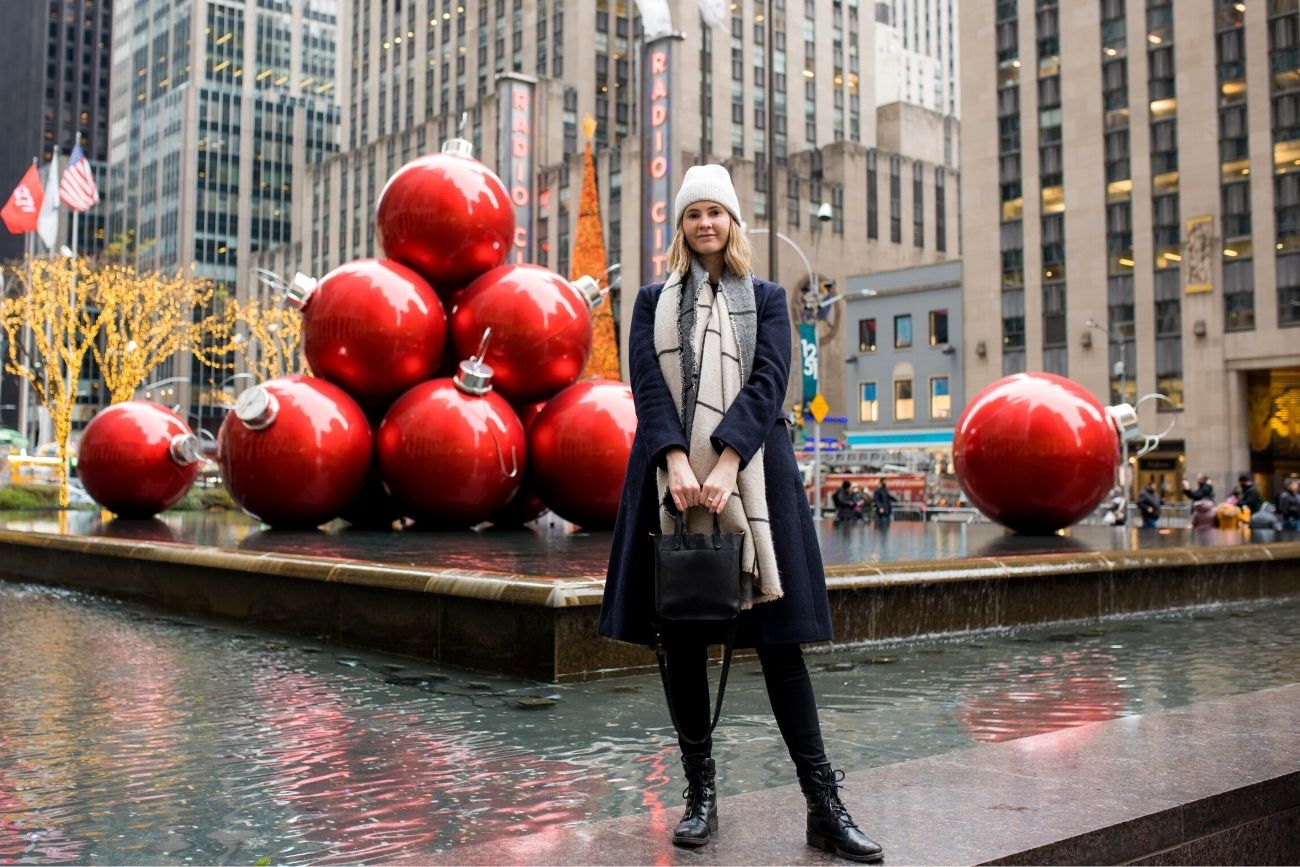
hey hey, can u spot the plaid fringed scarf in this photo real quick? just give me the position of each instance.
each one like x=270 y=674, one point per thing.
x=705 y=341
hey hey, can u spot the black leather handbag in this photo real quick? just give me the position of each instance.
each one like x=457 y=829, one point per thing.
x=697 y=580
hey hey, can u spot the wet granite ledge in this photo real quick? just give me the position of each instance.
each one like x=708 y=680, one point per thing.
x=1212 y=783
x=543 y=626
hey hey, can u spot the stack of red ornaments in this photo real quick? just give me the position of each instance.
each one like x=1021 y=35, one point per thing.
x=445 y=385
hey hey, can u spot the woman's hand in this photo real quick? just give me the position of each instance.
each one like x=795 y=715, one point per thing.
x=721 y=482
x=682 y=484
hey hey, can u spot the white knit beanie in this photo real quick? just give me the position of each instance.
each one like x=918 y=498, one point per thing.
x=710 y=183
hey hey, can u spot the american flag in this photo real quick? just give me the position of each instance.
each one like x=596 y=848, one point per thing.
x=77 y=189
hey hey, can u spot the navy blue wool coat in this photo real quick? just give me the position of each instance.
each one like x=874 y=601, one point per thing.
x=753 y=420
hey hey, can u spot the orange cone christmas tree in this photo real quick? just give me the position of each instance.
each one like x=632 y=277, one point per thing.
x=589 y=258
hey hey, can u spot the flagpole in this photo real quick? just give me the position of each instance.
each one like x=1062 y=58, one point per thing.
x=24 y=335
x=74 y=376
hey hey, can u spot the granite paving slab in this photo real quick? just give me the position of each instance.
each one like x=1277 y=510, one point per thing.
x=1213 y=782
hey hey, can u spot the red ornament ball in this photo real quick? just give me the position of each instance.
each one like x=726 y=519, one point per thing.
x=137 y=458
x=374 y=328
x=295 y=451
x=451 y=457
x=541 y=330
x=1035 y=452
x=448 y=217
x=578 y=450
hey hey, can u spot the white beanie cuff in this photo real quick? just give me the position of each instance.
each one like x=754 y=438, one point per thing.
x=711 y=183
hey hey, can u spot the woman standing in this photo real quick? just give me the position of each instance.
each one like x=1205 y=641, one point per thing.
x=709 y=353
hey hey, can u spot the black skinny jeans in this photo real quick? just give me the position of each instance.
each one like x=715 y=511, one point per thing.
x=789 y=689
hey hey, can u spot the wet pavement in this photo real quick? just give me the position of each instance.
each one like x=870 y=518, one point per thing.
x=131 y=737
x=552 y=548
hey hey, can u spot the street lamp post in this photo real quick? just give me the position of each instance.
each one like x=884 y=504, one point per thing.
x=1122 y=369
x=811 y=314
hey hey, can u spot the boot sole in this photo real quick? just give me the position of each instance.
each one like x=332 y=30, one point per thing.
x=819 y=842
x=695 y=842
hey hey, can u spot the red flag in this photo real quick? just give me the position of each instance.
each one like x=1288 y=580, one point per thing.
x=24 y=206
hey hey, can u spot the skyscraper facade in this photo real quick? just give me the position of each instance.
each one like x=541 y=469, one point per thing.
x=917 y=54
x=1132 y=216
x=58 y=53
x=218 y=107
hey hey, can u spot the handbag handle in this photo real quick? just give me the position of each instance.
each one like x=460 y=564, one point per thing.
x=662 y=655
x=679 y=530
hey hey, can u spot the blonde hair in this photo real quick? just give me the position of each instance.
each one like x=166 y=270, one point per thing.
x=738 y=254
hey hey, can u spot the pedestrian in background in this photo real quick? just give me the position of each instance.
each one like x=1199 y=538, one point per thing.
x=1203 y=490
x=709 y=358
x=1288 y=505
x=1203 y=514
x=1148 y=504
x=843 y=500
x=884 y=503
x=1249 y=496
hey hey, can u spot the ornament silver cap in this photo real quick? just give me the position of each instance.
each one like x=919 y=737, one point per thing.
x=589 y=288
x=458 y=145
x=257 y=408
x=474 y=376
x=1125 y=417
x=299 y=292
x=185 y=449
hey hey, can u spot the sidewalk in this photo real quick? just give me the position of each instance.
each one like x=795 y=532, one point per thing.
x=1214 y=782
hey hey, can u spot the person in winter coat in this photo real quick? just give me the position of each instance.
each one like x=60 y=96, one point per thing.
x=1203 y=490
x=1148 y=504
x=884 y=503
x=1231 y=515
x=1250 y=497
x=709 y=358
x=1288 y=505
x=1203 y=514
x=845 y=502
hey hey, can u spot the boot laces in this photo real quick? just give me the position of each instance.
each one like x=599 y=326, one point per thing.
x=831 y=794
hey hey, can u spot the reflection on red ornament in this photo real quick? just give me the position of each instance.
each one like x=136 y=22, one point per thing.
x=374 y=328
x=452 y=451
x=526 y=505
x=1035 y=452
x=448 y=217
x=137 y=458
x=295 y=451
x=541 y=327
x=578 y=450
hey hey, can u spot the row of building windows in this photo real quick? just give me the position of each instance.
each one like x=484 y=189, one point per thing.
x=903 y=331
x=940 y=405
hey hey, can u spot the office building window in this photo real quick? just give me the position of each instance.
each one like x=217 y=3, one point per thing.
x=895 y=200
x=904 y=405
x=868 y=404
x=903 y=331
x=873 y=215
x=938 y=327
x=940 y=399
x=918 y=204
x=940 y=213
x=866 y=335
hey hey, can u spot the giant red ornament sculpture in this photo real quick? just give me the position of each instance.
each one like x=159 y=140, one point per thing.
x=451 y=451
x=137 y=458
x=1035 y=452
x=447 y=216
x=295 y=451
x=578 y=449
x=541 y=326
x=373 y=327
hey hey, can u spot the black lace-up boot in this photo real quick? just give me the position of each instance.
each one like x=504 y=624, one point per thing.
x=830 y=827
x=700 y=821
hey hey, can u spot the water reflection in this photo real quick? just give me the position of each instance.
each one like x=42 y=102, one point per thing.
x=551 y=548
x=132 y=737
